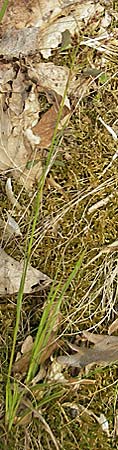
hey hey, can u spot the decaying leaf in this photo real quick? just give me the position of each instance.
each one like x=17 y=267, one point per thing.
x=22 y=359
x=14 y=42
x=52 y=37
x=51 y=78
x=12 y=226
x=45 y=127
x=21 y=364
x=15 y=148
x=39 y=376
x=55 y=373
x=19 y=94
x=105 y=350
x=27 y=344
x=42 y=29
x=10 y=275
x=9 y=228
x=22 y=134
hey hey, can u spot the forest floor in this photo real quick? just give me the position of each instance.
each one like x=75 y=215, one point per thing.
x=70 y=407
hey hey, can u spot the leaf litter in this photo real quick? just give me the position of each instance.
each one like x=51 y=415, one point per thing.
x=105 y=350
x=22 y=134
x=10 y=276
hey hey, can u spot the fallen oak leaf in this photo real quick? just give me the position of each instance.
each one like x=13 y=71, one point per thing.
x=46 y=125
x=106 y=351
x=98 y=338
x=10 y=276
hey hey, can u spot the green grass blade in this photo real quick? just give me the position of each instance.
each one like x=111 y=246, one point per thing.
x=47 y=323
x=49 y=162
x=3 y=9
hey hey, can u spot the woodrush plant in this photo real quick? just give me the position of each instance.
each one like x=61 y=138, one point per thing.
x=13 y=396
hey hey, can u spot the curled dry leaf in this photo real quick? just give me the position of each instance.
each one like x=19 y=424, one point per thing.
x=22 y=360
x=9 y=228
x=10 y=275
x=39 y=376
x=46 y=126
x=105 y=351
x=12 y=226
x=27 y=344
x=21 y=364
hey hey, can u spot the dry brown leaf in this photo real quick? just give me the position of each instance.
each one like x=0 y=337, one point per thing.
x=45 y=127
x=98 y=338
x=17 y=100
x=50 y=347
x=16 y=149
x=51 y=77
x=39 y=27
x=7 y=74
x=10 y=275
x=113 y=327
x=52 y=36
x=9 y=228
x=27 y=344
x=15 y=42
x=27 y=13
x=39 y=376
x=105 y=350
x=21 y=365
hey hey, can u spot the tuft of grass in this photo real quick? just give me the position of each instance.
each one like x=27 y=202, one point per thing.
x=13 y=397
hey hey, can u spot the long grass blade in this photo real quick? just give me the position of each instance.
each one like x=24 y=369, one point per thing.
x=3 y=9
